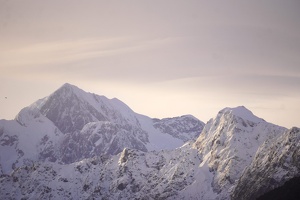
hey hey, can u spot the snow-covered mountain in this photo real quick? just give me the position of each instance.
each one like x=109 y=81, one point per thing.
x=30 y=138
x=234 y=147
x=132 y=174
x=71 y=124
x=275 y=163
x=228 y=144
x=185 y=127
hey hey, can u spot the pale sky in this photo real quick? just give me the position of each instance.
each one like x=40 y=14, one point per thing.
x=162 y=58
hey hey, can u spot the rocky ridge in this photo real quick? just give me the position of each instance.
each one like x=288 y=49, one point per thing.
x=236 y=156
x=71 y=124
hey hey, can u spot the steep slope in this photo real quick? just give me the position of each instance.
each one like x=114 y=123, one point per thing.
x=289 y=191
x=71 y=124
x=70 y=108
x=29 y=138
x=185 y=127
x=207 y=169
x=131 y=174
x=273 y=165
x=97 y=138
x=228 y=144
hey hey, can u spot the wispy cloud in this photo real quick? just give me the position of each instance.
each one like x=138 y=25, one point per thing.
x=201 y=52
x=62 y=52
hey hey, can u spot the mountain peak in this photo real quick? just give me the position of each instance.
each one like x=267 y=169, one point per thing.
x=242 y=112
x=68 y=86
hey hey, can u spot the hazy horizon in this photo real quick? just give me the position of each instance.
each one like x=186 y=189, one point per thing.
x=161 y=58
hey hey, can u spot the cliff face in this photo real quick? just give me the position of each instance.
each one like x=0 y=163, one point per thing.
x=274 y=164
x=228 y=144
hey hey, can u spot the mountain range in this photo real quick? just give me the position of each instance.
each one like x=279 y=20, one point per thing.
x=78 y=145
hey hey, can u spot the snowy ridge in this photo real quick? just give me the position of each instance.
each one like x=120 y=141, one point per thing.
x=157 y=139
x=213 y=167
x=274 y=164
x=78 y=145
x=243 y=113
x=184 y=127
x=128 y=175
x=70 y=125
x=228 y=144
x=32 y=137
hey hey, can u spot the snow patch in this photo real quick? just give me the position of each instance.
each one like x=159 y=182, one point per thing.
x=243 y=113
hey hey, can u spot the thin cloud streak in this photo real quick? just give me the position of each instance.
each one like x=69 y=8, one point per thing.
x=73 y=51
x=174 y=56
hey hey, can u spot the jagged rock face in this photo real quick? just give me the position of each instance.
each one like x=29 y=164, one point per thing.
x=77 y=145
x=130 y=175
x=208 y=169
x=70 y=108
x=71 y=125
x=185 y=127
x=68 y=112
x=274 y=164
x=289 y=191
x=99 y=138
x=228 y=144
x=118 y=136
